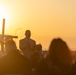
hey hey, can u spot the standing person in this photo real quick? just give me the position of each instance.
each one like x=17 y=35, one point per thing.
x=27 y=45
x=14 y=62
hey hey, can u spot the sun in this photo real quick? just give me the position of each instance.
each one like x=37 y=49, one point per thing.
x=4 y=14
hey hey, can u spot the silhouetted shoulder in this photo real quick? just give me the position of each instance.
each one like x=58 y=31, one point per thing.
x=15 y=63
x=22 y=39
x=33 y=40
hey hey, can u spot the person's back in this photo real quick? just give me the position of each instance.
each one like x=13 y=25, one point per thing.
x=47 y=68
x=58 y=61
x=15 y=63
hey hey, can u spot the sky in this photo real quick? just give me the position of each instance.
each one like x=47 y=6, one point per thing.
x=47 y=19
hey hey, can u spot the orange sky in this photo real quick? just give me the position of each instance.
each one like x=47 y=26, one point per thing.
x=45 y=18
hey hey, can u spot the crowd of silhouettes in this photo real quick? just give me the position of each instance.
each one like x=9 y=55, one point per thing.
x=29 y=59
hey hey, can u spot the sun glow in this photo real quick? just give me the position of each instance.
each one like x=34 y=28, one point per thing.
x=4 y=14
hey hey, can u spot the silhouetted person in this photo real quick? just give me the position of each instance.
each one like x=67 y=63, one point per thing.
x=58 y=61
x=27 y=45
x=35 y=59
x=13 y=62
x=39 y=48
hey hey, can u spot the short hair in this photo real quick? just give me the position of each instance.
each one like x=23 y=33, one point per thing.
x=27 y=31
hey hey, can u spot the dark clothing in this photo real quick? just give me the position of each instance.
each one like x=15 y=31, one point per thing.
x=48 y=68
x=42 y=69
x=27 y=46
x=15 y=63
x=73 y=70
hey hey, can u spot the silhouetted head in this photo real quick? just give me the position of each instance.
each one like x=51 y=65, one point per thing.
x=28 y=33
x=10 y=45
x=59 y=50
x=39 y=47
